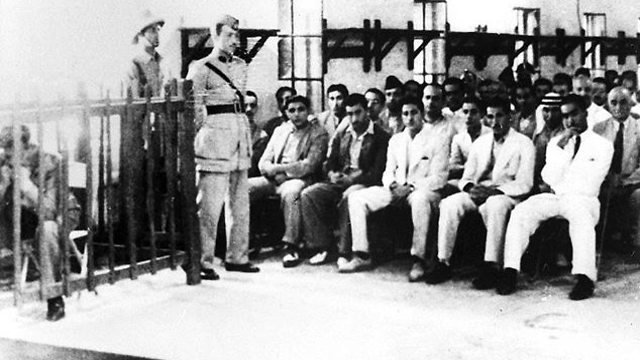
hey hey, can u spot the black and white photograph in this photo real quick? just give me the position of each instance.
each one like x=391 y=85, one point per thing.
x=319 y=179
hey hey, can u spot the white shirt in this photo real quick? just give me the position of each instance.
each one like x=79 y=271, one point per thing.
x=580 y=175
x=596 y=114
x=356 y=145
x=460 y=146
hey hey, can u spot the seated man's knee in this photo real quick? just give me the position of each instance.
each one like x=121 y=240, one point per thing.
x=498 y=203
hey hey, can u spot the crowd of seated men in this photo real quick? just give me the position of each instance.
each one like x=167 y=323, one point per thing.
x=515 y=151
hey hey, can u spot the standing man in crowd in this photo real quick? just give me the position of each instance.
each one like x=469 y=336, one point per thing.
x=416 y=169
x=623 y=131
x=222 y=148
x=497 y=175
x=50 y=268
x=599 y=92
x=330 y=119
x=390 y=116
x=595 y=113
x=453 y=96
x=355 y=162
x=283 y=94
x=291 y=162
x=524 y=119
x=375 y=106
x=550 y=108
x=577 y=163
x=562 y=84
x=474 y=111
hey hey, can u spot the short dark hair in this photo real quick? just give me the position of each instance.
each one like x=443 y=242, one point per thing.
x=339 y=88
x=410 y=100
x=379 y=94
x=356 y=99
x=542 y=81
x=499 y=103
x=599 y=80
x=563 y=79
x=300 y=99
x=454 y=81
x=577 y=100
x=582 y=71
x=252 y=94
x=435 y=85
x=523 y=85
x=281 y=90
x=629 y=75
x=474 y=100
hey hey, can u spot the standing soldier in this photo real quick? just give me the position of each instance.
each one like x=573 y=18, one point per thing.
x=145 y=66
x=222 y=148
x=144 y=72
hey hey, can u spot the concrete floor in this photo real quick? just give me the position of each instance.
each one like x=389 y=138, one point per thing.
x=316 y=313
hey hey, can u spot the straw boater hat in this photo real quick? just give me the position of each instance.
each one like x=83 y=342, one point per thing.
x=146 y=20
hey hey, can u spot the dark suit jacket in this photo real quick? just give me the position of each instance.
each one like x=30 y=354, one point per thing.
x=373 y=155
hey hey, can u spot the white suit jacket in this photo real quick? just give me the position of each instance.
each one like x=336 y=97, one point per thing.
x=512 y=170
x=460 y=147
x=421 y=162
x=631 y=146
x=583 y=174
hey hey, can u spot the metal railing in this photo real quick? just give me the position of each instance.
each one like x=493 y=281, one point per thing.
x=138 y=210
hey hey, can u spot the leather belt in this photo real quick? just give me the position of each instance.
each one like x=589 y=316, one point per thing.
x=224 y=109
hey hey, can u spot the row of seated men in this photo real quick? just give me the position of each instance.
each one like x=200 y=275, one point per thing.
x=359 y=165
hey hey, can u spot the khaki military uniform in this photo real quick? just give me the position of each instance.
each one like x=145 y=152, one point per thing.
x=223 y=156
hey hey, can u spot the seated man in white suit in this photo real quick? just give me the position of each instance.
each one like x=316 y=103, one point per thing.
x=498 y=173
x=577 y=162
x=416 y=169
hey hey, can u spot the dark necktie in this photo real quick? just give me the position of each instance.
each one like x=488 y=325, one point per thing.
x=576 y=146
x=616 y=162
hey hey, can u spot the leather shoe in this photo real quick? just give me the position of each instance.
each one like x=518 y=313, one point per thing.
x=209 y=274
x=583 y=288
x=440 y=273
x=55 y=309
x=246 y=267
x=487 y=278
x=507 y=282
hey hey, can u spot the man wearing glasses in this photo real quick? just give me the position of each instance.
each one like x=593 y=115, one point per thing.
x=497 y=175
x=577 y=162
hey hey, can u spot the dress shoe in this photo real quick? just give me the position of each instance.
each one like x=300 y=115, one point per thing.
x=246 y=267
x=209 y=274
x=342 y=261
x=55 y=309
x=291 y=259
x=319 y=258
x=487 y=278
x=356 y=264
x=507 y=281
x=417 y=271
x=583 y=288
x=440 y=273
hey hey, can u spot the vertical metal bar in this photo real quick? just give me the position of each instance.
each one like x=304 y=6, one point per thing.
x=109 y=170
x=15 y=164
x=101 y=185
x=127 y=125
x=188 y=192
x=151 y=158
x=170 y=165
x=63 y=196
x=40 y=209
x=86 y=131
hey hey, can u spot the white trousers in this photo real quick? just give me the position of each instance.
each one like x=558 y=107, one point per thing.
x=495 y=214
x=582 y=212
x=363 y=202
